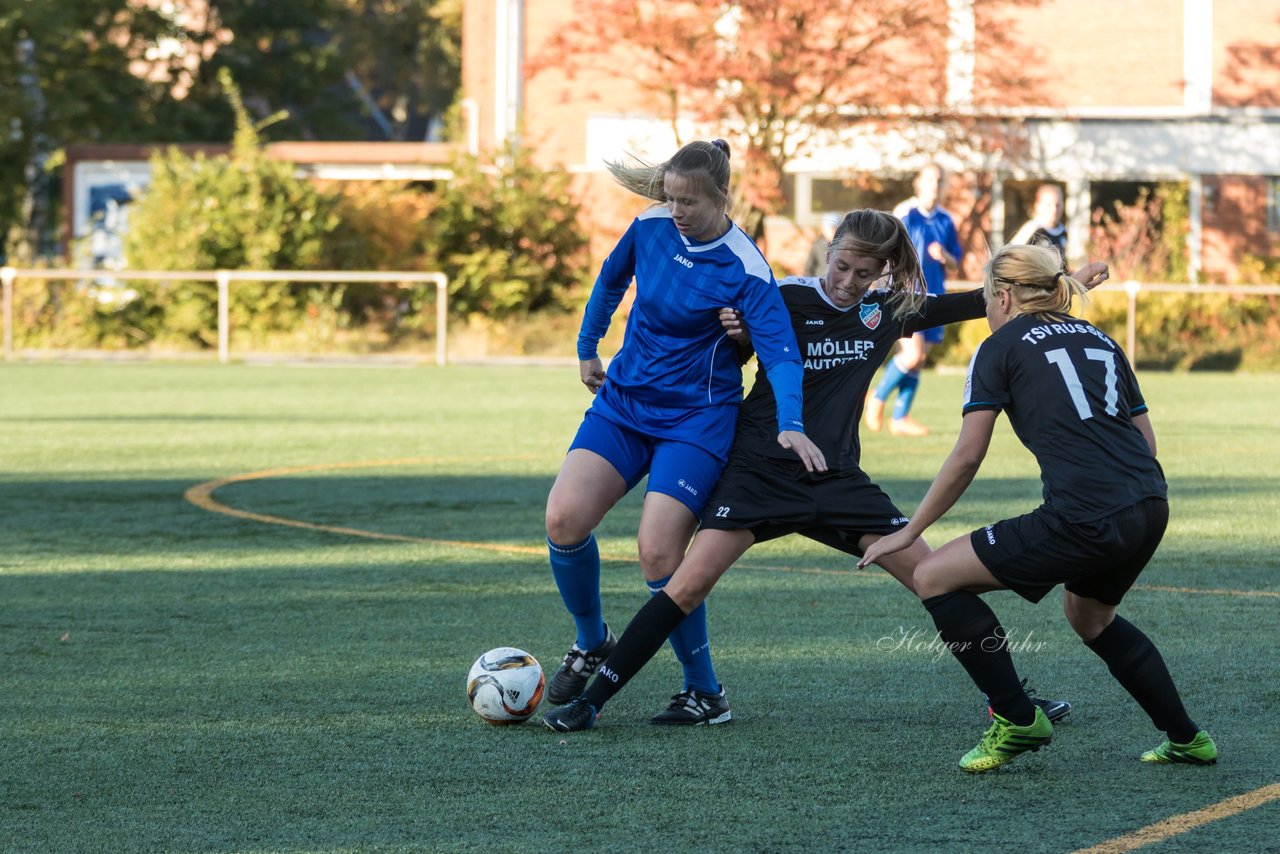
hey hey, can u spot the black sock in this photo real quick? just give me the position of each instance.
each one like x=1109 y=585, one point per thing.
x=1136 y=664
x=975 y=637
x=643 y=638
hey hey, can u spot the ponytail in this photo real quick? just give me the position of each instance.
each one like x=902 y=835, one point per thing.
x=706 y=164
x=882 y=236
x=1035 y=278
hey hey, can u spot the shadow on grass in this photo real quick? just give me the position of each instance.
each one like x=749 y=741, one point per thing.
x=70 y=517
x=318 y=704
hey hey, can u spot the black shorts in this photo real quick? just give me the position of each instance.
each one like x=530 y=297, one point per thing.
x=773 y=498
x=1100 y=560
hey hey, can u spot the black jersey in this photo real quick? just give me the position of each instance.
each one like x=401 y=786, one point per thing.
x=841 y=348
x=1071 y=396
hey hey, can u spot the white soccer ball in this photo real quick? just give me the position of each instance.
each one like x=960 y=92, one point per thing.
x=505 y=685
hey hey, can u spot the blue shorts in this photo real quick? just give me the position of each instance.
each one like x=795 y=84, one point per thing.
x=685 y=472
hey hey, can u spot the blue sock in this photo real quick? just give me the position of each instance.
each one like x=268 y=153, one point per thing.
x=692 y=646
x=576 y=569
x=906 y=394
x=892 y=379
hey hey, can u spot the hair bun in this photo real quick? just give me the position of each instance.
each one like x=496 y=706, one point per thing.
x=722 y=145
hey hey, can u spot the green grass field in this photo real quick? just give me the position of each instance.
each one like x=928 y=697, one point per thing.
x=179 y=679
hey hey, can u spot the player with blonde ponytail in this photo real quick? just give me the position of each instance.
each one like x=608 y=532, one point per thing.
x=1073 y=400
x=1036 y=280
x=667 y=408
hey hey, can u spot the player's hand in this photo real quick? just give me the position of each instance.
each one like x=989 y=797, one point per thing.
x=731 y=320
x=935 y=252
x=808 y=452
x=1092 y=274
x=592 y=373
x=894 y=542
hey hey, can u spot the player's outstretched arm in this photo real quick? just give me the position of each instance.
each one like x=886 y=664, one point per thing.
x=1092 y=274
x=953 y=479
x=810 y=454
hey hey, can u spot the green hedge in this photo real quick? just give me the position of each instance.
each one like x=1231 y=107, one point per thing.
x=505 y=233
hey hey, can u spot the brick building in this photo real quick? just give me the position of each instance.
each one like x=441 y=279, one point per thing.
x=1143 y=92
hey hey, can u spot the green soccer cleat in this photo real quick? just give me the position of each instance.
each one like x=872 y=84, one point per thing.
x=1004 y=741
x=1199 y=751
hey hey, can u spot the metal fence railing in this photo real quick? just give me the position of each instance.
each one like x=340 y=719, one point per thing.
x=224 y=280
x=1132 y=289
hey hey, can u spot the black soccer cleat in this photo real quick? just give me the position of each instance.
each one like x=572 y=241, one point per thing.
x=1054 y=710
x=570 y=679
x=694 y=708
x=576 y=716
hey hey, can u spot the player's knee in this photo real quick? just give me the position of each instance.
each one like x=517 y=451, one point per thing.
x=689 y=591
x=1087 y=619
x=565 y=525
x=658 y=559
x=930 y=580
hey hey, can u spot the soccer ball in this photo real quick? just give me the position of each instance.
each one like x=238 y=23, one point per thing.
x=505 y=685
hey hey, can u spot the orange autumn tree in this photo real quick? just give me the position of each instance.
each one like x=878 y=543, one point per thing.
x=777 y=76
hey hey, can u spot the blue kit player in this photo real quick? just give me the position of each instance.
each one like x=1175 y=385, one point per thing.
x=668 y=406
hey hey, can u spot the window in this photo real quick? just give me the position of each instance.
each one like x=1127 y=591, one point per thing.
x=1273 y=205
x=830 y=194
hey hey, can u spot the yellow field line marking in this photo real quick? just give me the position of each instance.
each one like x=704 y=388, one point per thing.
x=201 y=495
x=1178 y=824
x=1212 y=591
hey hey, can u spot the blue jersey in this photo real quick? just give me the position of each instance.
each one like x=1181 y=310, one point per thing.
x=925 y=228
x=675 y=355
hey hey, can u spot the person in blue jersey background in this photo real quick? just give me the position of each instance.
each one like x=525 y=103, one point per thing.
x=667 y=406
x=933 y=233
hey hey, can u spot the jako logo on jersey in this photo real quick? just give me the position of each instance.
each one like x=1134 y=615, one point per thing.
x=991 y=535
x=813 y=323
x=684 y=485
x=870 y=315
x=899 y=520
x=680 y=259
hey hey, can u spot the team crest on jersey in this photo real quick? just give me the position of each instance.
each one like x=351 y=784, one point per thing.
x=870 y=315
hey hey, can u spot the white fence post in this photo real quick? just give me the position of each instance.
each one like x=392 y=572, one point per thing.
x=224 y=278
x=224 y=316
x=1131 y=288
x=7 y=275
x=442 y=321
